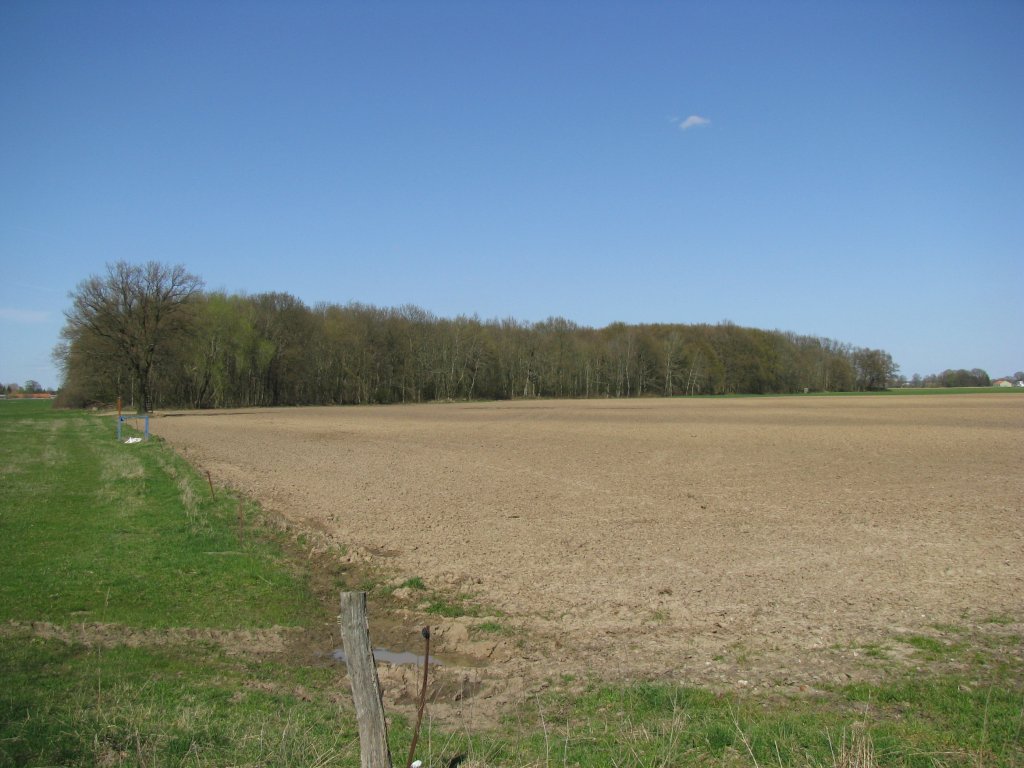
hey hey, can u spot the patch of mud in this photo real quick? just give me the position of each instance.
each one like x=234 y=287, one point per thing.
x=246 y=642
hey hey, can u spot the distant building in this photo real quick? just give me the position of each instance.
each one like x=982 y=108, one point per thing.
x=1002 y=383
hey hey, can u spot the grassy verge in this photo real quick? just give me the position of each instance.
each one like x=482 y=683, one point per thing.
x=967 y=712
x=928 y=391
x=100 y=531
x=962 y=705
x=143 y=621
x=133 y=605
x=894 y=392
x=71 y=704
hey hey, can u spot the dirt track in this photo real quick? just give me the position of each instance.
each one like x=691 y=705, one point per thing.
x=753 y=542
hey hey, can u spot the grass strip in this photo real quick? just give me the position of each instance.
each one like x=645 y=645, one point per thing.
x=108 y=543
x=78 y=706
x=105 y=532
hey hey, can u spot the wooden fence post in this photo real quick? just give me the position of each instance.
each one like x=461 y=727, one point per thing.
x=362 y=673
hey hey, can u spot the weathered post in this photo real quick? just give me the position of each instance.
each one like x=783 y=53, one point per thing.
x=362 y=673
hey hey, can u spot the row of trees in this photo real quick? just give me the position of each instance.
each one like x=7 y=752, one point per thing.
x=975 y=377
x=151 y=335
x=30 y=387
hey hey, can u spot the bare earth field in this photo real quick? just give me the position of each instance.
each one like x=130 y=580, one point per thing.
x=760 y=543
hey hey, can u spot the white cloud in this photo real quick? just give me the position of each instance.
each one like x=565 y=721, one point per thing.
x=693 y=121
x=23 y=316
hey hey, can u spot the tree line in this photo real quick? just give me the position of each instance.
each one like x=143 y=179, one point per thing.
x=30 y=387
x=152 y=336
x=976 y=377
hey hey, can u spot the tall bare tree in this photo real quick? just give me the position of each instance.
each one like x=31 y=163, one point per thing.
x=136 y=311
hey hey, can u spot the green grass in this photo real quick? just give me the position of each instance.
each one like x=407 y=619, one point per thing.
x=926 y=391
x=490 y=627
x=435 y=603
x=100 y=531
x=932 y=649
x=899 y=391
x=72 y=705
x=907 y=723
x=129 y=538
x=93 y=532
x=414 y=583
x=896 y=391
x=453 y=607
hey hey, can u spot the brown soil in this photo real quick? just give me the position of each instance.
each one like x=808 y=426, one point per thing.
x=240 y=642
x=759 y=543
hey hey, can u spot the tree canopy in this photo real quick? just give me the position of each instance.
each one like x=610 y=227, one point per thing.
x=150 y=335
x=121 y=324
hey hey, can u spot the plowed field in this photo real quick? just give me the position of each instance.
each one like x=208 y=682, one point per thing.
x=760 y=542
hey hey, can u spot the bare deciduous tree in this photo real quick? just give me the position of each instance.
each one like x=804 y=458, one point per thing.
x=136 y=310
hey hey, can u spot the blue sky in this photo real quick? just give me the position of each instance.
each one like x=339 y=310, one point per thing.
x=851 y=170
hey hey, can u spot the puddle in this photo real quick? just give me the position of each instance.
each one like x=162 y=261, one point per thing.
x=391 y=657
